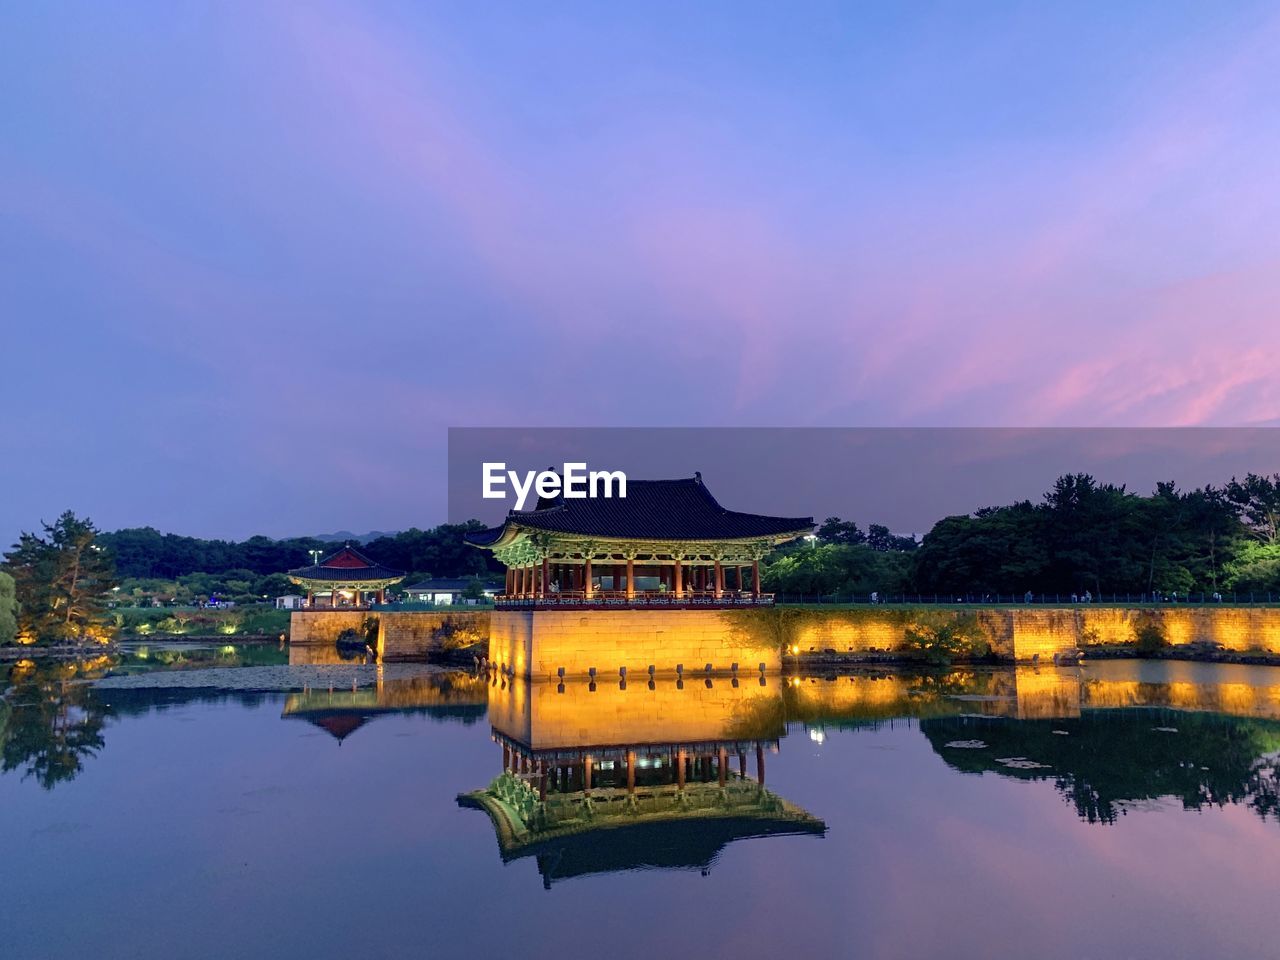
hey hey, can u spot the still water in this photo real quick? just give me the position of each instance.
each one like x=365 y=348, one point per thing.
x=226 y=804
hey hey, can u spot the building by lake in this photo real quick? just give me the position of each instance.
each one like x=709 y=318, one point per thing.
x=345 y=578
x=667 y=542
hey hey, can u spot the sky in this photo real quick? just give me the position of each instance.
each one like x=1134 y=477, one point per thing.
x=256 y=259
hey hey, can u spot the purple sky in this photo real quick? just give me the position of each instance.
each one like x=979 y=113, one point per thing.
x=256 y=258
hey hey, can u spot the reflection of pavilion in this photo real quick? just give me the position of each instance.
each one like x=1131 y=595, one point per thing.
x=608 y=779
x=340 y=713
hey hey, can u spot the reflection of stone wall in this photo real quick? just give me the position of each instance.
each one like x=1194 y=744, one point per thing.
x=542 y=716
x=538 y=643
x=402 y=634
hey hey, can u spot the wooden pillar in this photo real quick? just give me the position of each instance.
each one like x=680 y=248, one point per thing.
x=760 y=764
x=631 y=771
x=311 y=598
x=719 y=587
x=677 y=572
x=509 y=585
x=681 y=759
x=722 y=762
x=586 y=578
x=586 y=776
x=755 y=578
x=546 y=577
x=631 y=577
x=542 y=780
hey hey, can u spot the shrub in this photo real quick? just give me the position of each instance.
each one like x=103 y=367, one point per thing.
x=1149 y=635
x=939 y=637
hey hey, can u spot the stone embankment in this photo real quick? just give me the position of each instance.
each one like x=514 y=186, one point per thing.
x=542 y=643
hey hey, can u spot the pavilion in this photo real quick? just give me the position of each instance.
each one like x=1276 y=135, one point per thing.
x=346 y=579
x=665 y=542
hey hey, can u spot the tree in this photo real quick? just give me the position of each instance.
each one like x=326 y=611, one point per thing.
x=62 y=580
x=8 y=609
x=835 y=568
x=879 y=538
x=1257 y=499
x=835 y=530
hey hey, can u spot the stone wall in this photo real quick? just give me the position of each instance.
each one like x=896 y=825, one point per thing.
x=1023 y=633
x=539 y=643
x=323 y=626
x=416 y=634
x=402 y=634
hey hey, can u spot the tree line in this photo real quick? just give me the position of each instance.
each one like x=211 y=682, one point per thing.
x=144 y=552
x=1081 y=537
x=60 y=583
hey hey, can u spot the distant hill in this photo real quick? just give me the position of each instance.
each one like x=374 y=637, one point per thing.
x=346 y=536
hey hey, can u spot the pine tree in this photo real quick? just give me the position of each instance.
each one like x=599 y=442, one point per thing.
x=63 y=580
x=8 y=609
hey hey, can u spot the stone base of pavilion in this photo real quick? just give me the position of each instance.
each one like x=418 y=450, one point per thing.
x=628 y=641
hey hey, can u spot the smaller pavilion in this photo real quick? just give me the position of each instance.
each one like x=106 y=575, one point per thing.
x=346 y=579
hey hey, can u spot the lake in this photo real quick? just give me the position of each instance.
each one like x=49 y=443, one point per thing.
x=220 y=802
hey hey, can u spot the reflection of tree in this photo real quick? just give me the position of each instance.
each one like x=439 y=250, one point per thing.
x=53 y=724
x=1106 y=759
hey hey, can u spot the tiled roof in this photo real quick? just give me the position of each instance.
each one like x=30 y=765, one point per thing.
x=652 y=510
x=347 y=565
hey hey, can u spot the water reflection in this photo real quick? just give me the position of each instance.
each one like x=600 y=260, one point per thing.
x=684 y=763
x=52 y=721
x=50 y=724
x=451 y=696
x=1107 y=762
x=600 y=778
x=965 y=813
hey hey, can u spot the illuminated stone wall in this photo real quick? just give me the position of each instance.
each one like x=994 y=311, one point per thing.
x=415 y=634
x=1024 y=633
x=402 y=634
x=323 y=626
x=538 y=643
